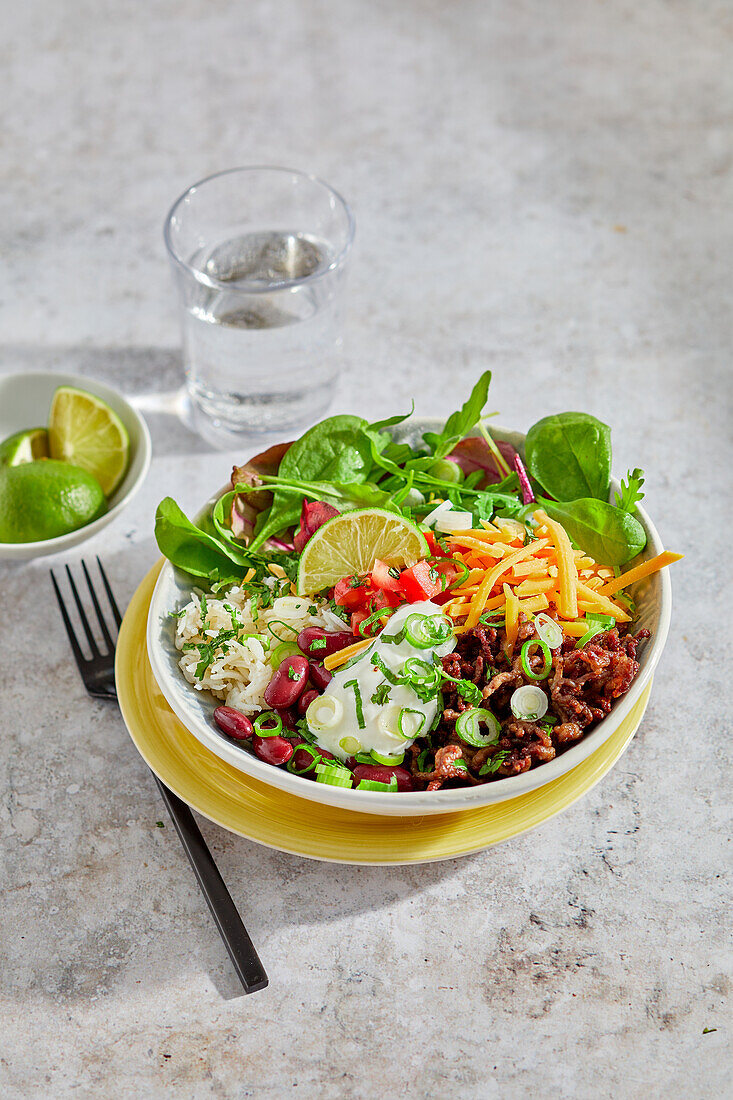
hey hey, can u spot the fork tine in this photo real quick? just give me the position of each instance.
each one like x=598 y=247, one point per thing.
x=78 y=655
x=110 y=597
x=82 y=615
x=100 y=618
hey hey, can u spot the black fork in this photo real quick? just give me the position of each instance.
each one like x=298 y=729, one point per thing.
x=98 y=674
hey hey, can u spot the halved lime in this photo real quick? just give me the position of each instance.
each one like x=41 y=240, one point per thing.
x=42 y=500
x=84 y=430
x=24 y=446
x=351 y=542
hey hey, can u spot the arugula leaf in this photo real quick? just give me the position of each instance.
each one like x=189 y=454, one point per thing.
x=569 y=454
x=460 y=423
x=609 y=535
x=631 y=492
x=334 y=450
x=341 y=496
x=194 y=550
x=390 y=422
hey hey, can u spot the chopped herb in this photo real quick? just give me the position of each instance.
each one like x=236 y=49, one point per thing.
x=494 y=763
x=177 y=614
x=422 y=760
x=394 y=639
x=356 y=581
x=357 y=700
x=160 y=825
x=381 y=695
x=292 y=674
x=378 y=664
x=708 y=1030
x=394 y=572
x=312 y=610
x=318 y=643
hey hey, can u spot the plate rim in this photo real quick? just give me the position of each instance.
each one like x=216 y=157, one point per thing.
x=580 y=780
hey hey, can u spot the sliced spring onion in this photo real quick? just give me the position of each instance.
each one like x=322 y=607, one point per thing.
x=529 y=703
x=589 y=634
x=444 y=506
x=524 y=659
x=406 y=723
x=325 y=712
x=315 y=759
x=331 y=777
x=548 y=630
x=364 y=758
x=420 y=673
x=461 y=565
x=333 y=767
x=468 y=725
x=350 y=745
x=261 y=726
x=373 y=785
x=606 y=621
x=454 y=521
x=280 y=622
x=281 y=651
x=389 y=761
x=357 y=702
x=427 y=631
x=445 y=470
x=375 y=617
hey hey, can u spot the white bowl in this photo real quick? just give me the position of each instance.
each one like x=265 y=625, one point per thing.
x=25 y=401
x=195 y=709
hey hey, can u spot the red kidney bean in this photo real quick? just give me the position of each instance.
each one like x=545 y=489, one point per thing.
x=233 y=723
x=287 y=717
x=378 y=773
x=312 y=638
x=306 y=699
x=286 y=685
x=320 y=677
x=273 y=750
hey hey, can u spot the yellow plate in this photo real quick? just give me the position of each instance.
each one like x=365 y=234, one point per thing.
x=280 y=820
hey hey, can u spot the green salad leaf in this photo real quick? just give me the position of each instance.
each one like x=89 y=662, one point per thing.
x=333 y=450
x=194 y=550
x=460 y=423
x=569 y=454
x=631 y=493
x=606 y=533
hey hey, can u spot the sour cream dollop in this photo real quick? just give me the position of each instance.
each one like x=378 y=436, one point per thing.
x=342 y=726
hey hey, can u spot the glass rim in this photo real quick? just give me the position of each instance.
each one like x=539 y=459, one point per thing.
x=257 y=288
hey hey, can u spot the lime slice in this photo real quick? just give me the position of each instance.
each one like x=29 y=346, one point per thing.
x=349 y=543
x=25 y=446
x=42 y=500
x=84 y=430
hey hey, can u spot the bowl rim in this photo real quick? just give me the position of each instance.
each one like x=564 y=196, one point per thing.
x=412 y=803
x=145 y=447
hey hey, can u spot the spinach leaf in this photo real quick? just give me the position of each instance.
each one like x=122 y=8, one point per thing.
x=193 y=550
x=631 y=492
x=460 y=423
x=333 y=450
x=609 y=535
x=570 y=455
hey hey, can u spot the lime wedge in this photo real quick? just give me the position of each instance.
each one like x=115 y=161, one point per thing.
x=25 y=446
x=351 y=542
x=84 y=430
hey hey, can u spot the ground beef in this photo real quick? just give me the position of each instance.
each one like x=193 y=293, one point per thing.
x=581 y=688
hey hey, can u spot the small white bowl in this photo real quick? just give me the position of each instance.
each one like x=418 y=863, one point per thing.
x=25 y=401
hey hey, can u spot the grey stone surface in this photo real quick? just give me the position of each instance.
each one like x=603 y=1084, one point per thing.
x=540 y=188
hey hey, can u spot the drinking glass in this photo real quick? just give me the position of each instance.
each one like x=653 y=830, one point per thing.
x=259 y=257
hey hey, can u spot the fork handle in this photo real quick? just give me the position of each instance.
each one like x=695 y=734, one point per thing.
x=235 y=936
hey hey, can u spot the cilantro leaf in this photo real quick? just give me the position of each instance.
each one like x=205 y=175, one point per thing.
x=631 y=492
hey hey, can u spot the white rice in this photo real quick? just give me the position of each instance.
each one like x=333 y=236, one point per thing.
x=240 y=675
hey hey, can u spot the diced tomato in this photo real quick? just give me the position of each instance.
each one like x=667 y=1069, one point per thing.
x=420 y=582
x=348 y=594
x=386 y=599
x=357 y=618
x=432 y=543
x=382 y=578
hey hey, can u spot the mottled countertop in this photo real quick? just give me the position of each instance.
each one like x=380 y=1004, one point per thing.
x=540 y=188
